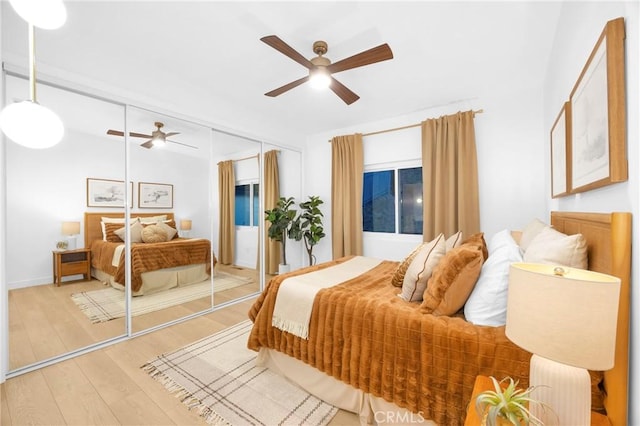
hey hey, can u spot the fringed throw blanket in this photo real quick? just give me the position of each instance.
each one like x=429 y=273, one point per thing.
x=363 y=334
x=296 y=294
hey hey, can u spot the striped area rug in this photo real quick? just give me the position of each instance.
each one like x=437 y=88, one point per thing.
x=108 y=303
x=218 y=377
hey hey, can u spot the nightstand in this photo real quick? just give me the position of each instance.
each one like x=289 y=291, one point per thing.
x=484 y=383
x=71 y=262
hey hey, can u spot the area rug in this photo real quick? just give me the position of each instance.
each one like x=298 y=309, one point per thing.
x=108 y=303
x=218 y=377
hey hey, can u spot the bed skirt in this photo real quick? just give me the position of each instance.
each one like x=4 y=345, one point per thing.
x=370 y=409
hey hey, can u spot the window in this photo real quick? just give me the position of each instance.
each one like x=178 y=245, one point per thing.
x=247 y=204
x=380 y=206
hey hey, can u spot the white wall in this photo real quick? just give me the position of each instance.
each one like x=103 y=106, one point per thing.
x=579 y=27
x=510 y=158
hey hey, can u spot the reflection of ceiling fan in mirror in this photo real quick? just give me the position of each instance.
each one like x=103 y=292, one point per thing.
x=157 y=138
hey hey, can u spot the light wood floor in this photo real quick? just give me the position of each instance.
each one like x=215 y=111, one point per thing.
x=107 y=386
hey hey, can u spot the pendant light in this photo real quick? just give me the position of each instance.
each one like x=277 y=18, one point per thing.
x=28 y=123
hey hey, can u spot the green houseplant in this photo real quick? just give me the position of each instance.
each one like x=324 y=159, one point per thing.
x=281 y=217
x=507 y=405
x=308 y=225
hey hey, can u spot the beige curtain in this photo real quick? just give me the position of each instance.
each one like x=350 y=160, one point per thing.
x=347 y=168
x=450 y=176
x=271 y=196
x=226 y=225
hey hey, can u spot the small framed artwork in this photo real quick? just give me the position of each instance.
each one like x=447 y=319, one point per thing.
x=598 y=111
x=106 y=193
x=155 y=195
x=560 y=137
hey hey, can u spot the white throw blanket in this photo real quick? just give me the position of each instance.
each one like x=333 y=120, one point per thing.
x=294 y=302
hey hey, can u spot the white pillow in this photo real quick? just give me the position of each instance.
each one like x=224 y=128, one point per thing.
x=152 y=219
x=554 y=247
x=454 y=241
x=421 y=268
x=487 y=304
x=530 y=231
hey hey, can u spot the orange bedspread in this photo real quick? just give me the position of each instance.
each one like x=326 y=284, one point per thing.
x=147 y=257
x=363 y=334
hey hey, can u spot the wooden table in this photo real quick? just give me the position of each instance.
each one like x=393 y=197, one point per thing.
x=484 y=383
x=71 y=262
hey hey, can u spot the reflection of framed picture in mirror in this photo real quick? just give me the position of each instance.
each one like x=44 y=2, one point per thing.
x=560 y=137
x=106 y=193
x=155 y=195
x=598 y=110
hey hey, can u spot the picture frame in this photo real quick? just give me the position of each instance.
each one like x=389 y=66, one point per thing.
x=155 y=195
x=560 y=154
x=598 y=111
x=107 y=193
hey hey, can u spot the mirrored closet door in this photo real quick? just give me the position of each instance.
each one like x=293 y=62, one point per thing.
x=49 y=193
x=171 y=248
x=237 y=217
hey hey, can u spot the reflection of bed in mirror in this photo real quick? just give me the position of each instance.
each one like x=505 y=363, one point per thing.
x=155 y=265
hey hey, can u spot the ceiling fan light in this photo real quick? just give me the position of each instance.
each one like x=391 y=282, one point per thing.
x=46 y=14
x=158 y=140
x=319 y=78
x=32 y=125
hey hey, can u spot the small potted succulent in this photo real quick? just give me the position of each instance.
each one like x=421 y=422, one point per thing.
x=507 y=405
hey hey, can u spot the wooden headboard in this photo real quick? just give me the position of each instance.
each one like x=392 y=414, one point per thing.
x=608 y=238
x=93 y=230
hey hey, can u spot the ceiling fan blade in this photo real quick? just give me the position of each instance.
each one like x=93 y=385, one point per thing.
x=115 y=132
x=341 y=90
x=371 y=56
x=183 y=144
x=284 y=48
x=139 y=135
x=147 y=144
x=171 y=134
x=286 y=87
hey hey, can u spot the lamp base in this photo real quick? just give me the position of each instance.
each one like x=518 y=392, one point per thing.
x=564 y=390
x=71 y=243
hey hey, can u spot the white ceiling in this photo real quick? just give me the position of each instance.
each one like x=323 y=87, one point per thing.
x=205 y=60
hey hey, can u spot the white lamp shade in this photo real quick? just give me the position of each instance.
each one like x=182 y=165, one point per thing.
x=29 y=124
x=185 y=224
x=70 y=228
x=46 y=14
x=568 y=318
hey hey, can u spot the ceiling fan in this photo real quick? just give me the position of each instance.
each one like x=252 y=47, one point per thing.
x=157 y=138
x=321 y=67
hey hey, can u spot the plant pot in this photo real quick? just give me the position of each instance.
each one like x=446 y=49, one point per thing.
x=283 y=269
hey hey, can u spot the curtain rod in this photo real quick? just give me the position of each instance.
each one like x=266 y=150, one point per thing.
x=480 y=111
x=251 y=156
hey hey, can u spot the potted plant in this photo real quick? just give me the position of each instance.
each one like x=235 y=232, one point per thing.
x=308 y=225
x=507 y=405
x=281 y=218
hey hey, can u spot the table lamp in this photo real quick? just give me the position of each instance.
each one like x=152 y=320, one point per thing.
x=185 y=227
x=71 y=229
x=567 y=319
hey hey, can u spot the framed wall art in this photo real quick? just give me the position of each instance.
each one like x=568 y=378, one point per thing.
x=155 y=195
x=106 y=193
x=598 y=110
x=560 y=137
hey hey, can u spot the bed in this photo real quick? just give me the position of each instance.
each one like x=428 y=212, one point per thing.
x=371 y=353
x=155 y=266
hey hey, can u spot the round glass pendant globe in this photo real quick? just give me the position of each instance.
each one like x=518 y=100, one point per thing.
x=46 y=14
x=30 y=124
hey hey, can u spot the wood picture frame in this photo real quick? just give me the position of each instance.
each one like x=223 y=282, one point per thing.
x=598 y=111
x=560 y=153
x=107 y=193
x=155 y=195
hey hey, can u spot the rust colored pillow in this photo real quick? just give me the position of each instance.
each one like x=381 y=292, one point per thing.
x=453 y=280
x=110 y=232
x=398 y=275
x=478 y=240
